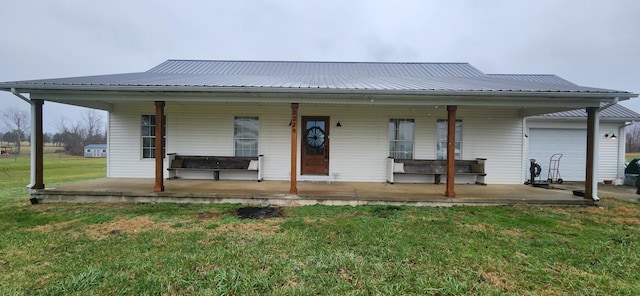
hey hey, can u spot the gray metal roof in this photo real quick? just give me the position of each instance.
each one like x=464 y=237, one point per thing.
x=540 y=78
x=93 y=146
x=349 y=77
x=319 y=69
x=616 y=111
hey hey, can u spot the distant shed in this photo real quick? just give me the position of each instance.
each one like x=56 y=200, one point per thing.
x=95 y=150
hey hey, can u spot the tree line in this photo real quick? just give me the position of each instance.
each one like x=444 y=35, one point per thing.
x=71 y=136
x=632 y=138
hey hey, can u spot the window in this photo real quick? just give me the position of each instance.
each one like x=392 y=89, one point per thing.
x=148 y=132
x=245 y=134
x=442 y=139
x=401 y=133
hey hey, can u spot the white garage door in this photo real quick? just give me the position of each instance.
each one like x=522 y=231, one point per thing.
x=544 y=142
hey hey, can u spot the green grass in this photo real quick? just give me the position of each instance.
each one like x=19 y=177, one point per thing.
x=195 y=249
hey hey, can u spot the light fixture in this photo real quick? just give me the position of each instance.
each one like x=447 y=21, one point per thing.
x=613 y=136
x=339 y=124
x=290 y=121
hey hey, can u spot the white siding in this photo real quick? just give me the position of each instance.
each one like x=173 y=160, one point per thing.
x=358 y=149
x=569 y=138
x=125 y=159
x=494 y=134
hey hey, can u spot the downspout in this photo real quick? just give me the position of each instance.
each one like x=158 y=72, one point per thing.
x=596 y=149
x=622 y=149
x=33 y=137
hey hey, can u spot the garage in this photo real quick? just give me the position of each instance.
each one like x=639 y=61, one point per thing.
x=544 y=142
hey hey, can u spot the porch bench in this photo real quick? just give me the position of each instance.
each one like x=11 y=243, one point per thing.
x=214 y=164
x=437 y=168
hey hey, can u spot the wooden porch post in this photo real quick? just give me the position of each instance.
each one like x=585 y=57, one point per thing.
x=451 y=152
x=159 y=187
x=591 y=141
x=38 y=145
x=294 y=149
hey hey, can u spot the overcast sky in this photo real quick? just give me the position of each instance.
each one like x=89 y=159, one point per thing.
x=589 y=42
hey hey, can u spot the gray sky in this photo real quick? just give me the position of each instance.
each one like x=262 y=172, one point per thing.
x=589 y=42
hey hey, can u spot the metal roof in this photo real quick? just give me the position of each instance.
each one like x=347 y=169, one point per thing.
x=94 y=146
x=541 y=78
x=319 y=69
x=347 y=77
x=616 y=111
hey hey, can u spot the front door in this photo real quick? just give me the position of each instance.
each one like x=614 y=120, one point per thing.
x=315 y=145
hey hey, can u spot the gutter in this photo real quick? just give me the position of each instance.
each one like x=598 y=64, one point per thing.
x=136 y=89
x=33 y=137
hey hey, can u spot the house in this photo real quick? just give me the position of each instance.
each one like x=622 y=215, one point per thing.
x=319 y=121
x=565 y=133
x=95 y=150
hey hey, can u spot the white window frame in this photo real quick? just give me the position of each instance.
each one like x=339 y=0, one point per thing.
x=441 y=139
x=245 y=136
x=151 y=137
x=395 y=141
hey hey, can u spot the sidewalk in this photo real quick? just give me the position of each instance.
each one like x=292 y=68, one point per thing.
x=616 y=191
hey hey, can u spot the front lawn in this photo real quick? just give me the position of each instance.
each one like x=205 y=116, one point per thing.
x=189 y=249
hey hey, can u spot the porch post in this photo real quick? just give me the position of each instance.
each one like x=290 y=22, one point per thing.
x=294 y=149
x=38 y=144
x=159 y=156
x=451 y=153
x=591 y=180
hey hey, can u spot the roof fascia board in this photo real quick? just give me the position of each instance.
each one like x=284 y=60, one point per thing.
x=565 y=119
x=543 y=103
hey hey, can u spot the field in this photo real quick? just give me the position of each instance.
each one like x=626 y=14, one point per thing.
x=177 y=249
x=631 y=156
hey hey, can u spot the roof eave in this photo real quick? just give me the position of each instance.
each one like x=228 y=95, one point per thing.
x=313 y=91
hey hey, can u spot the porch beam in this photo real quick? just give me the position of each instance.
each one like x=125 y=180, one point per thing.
x=38 y=144
x=293 y=189
x=591 y=179
x=451 y=145
x=159 y=156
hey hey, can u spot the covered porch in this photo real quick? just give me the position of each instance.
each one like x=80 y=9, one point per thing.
x=276 y=193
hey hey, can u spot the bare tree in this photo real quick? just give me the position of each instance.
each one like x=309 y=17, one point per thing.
x=19 y=122
x=92 y=124
x=74 y=136
x=632 y=138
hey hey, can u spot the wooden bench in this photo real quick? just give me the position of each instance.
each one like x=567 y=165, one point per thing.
x=214 y=164
x=437 y=168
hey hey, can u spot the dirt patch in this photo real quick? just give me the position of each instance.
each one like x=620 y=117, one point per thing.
x=513 y=232
x=121 y=225
x=308 y=220
x=626 y=220
x=264 y=227
x=593 y=210
x=476 y=227
x=260 y=213
x=55 y=226
x=495 y=276
x=626 y=211
x=212 y=215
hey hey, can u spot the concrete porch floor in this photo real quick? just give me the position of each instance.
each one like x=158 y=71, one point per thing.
x=276 y=193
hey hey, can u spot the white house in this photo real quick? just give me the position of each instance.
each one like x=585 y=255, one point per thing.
x=565 y=133
x=320 y=121
x=95 y=150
